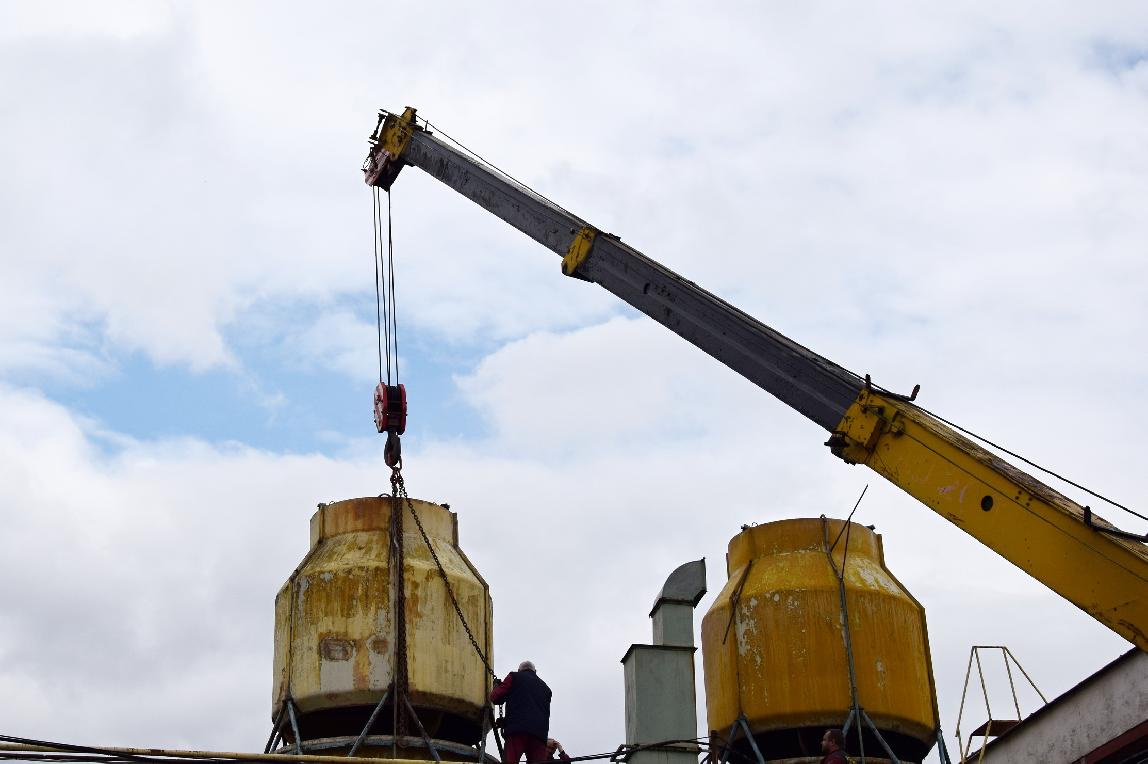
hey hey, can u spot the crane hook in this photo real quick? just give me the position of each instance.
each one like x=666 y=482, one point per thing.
x=391 y=418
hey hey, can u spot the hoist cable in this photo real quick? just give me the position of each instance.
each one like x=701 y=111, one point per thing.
x=378 y=275
x=1033 y=464
x=393 y=329
x=386 y=320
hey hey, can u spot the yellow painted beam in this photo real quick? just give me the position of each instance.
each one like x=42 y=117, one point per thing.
x=579 y=250
x=1028 y=523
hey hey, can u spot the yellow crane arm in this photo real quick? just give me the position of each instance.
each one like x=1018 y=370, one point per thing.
x=1080 y=557
x=1052 y=538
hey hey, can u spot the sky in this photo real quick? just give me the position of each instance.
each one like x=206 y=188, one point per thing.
x=951 y=196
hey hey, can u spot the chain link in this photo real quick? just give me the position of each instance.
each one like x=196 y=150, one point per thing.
x=400 y=490
x=398 y=567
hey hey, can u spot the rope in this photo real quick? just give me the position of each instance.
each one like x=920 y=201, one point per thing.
x=846 y=525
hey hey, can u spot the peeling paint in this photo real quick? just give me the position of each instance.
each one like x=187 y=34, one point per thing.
x=335 y=642
x=788 y=665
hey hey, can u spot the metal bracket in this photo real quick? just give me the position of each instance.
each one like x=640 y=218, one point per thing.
x=370 y=723
x=388 y=143
x=741 y=723
x=294 y=726
x=865 y=421
x=422 y=730
x=579 y=250
x=276 y=729
x=858 y=715
x=1112 y=531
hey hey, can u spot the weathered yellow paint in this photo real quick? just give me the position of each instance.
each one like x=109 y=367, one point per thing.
x=773 y=646
x=396 y=132
x=334 y=625
x=579 y=250
x=1007 y=510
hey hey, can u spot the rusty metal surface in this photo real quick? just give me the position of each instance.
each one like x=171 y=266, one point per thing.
x=334 y=642
x=774 y=649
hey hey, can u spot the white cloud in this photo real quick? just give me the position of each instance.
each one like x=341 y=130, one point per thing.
x=951 y=197
x=163 y=558
x=122 y=19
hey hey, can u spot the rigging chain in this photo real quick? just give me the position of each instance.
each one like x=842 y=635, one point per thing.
x=399 y=490
x=398 y=568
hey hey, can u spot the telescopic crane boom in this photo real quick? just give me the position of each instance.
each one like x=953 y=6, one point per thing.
x=1083 y=558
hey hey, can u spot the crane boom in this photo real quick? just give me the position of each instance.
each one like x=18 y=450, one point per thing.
x=1078 y=555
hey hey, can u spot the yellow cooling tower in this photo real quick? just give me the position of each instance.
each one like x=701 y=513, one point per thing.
x=335 y=626
x=773 y=644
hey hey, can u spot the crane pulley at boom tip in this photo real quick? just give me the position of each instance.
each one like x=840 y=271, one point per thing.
x=388 y=141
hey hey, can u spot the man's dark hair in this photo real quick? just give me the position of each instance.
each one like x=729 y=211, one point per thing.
x=835 y=735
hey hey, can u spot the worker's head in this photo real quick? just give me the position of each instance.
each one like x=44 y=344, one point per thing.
x=527 y=666
x=832 y=740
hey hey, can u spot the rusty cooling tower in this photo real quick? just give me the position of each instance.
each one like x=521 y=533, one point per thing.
x=335 y=631
x=774 y=648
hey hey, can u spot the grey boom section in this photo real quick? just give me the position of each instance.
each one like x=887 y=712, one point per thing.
x=800 y=378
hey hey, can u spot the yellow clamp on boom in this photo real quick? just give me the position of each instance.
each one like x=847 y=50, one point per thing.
x=396 y=132
x=579 y=250
x=866 y=419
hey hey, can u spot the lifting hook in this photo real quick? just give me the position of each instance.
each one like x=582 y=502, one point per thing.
x=391 y=418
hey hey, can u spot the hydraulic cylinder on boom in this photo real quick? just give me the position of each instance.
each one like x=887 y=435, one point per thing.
x=1080 y=556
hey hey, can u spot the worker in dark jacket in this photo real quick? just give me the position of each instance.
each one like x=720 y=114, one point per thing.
x=832 y=745
x=527 y=722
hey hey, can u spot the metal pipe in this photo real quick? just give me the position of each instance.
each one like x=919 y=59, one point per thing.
x=275 y=727
x=485 y=731
x=422 y=731
x=294 y=726
x=752 y=742
x=729 y=741
x=370 y=722
x=880 y=739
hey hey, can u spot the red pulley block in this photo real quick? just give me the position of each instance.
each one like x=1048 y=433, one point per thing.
x=391 y=408
x=391 y=418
